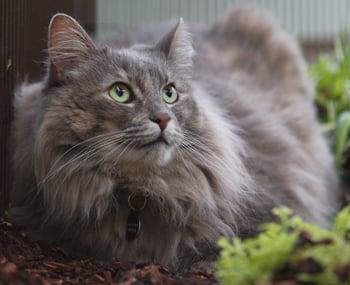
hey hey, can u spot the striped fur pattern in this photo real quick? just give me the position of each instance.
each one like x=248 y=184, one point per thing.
x=242 y=139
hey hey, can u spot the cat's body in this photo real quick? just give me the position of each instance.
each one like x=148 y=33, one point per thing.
x=242 y=139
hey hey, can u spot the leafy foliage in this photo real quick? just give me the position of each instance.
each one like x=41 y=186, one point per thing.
x=313 y=254
x=292 y=247
x=332 y=79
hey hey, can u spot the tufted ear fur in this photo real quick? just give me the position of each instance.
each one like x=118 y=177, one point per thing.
x=68 y=44
x=177 y=46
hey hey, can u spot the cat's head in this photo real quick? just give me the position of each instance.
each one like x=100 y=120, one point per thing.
x=118 y=105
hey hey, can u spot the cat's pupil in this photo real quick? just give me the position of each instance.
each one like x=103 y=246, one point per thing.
x=120 y=92
x=168 y=92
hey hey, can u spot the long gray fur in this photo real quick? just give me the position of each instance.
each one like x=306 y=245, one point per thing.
x=243 y=138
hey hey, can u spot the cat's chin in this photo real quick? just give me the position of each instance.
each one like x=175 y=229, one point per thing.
x=158 y=153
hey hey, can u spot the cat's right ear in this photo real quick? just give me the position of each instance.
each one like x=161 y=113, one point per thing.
x=68 y=45
x=177 y=46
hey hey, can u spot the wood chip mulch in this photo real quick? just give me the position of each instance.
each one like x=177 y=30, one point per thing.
x=23 y=261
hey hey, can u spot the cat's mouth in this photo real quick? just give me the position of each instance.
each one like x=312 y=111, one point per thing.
x=159 y=141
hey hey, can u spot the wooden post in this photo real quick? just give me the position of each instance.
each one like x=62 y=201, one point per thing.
x=23 y=35
x=13 y=25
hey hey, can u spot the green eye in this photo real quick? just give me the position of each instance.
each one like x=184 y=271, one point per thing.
x=169 y=94
x=120 y=93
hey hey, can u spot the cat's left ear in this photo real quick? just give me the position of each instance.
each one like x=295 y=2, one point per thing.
x=68 y=45
x=177 y=46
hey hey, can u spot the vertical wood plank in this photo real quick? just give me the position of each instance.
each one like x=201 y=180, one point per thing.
x=23 y=33
x=13 y=23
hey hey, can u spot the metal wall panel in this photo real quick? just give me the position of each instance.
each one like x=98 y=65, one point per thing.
x=306 y=19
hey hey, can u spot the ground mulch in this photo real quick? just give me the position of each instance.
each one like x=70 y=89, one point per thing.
x=23 y=261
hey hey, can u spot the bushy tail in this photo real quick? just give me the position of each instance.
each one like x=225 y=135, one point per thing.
x=257 y=45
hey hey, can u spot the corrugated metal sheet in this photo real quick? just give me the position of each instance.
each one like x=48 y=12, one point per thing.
x=306 y=19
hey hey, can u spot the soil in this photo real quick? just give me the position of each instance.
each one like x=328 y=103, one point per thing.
x=23 y=261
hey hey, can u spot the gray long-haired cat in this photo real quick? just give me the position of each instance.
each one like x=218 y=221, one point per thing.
x=146 y=151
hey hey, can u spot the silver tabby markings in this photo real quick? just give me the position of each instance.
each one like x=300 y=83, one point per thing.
x=215 y=139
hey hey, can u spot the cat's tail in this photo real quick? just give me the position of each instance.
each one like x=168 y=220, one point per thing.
x=251 y=41
x=248 y=42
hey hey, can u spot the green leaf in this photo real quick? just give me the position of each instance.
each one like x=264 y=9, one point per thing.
x=342 y=221
x=341 y=136
x=258 y=260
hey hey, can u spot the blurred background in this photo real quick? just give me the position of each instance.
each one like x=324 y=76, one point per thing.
x=23 y=30
x=313 y=22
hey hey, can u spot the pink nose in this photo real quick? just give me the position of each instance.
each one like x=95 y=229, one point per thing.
x=162 y=120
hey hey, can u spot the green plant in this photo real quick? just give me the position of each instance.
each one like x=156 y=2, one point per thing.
x=290 y=246
x=292 y=249
x=331 y=74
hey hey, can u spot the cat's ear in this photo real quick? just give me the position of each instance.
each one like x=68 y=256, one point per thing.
x=177 y=46
x=68 y=44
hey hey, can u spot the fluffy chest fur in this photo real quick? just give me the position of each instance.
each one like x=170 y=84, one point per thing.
x=213 y=140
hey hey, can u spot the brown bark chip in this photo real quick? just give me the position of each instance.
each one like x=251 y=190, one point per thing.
x=23 y=261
